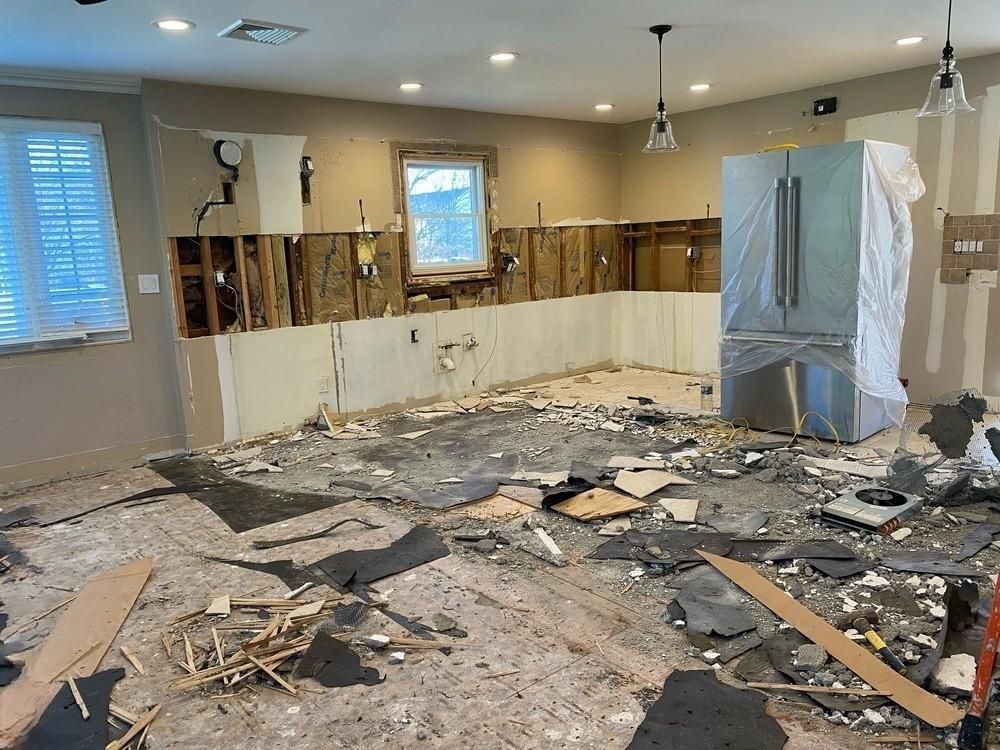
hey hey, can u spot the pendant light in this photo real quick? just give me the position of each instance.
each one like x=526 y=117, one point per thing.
x=947 y=92
x=661 y=134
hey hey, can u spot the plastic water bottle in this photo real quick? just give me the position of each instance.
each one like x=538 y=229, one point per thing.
x=706 y=394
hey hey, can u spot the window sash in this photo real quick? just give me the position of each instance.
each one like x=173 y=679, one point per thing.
x=60 y=263
x=478 y=213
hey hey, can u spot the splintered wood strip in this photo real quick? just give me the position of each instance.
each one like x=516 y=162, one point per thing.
x=78 y=698
x=273 y=675
x=33 y=620
x=144 y=721
x=266 y=633
x=189 y=654
x=185 y=667
x=166 y=644
x=133 y=659
x=76 y=658
x=819 y=689
x=219 y=652
x=421 y=643
x=210 y=675
x=122 y=713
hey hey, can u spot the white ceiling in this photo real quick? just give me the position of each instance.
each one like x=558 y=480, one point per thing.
x=574 y=53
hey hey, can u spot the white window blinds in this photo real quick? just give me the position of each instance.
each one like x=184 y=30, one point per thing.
x=60 y=266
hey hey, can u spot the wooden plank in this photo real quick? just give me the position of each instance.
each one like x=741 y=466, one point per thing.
x=78 y=698
x=306 y=281
x=190 y=269
x=561 y=290
x=283 y=297
x=819 y=689
x=208 y=285
x=872 y=670
x=175 y=275
x=273 y=675
x=266 y=266
x=360 y=286
x=133 y=659
x=689 y=280
x=144 y=721
x=241 y=267
x=295 y=281
x=596 y=504
x=588 y=259
x=531 y=266
x=96 y=615
x=655 y=261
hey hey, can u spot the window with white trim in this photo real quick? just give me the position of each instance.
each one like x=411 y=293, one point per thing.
x=446 y=215
x=60 y=266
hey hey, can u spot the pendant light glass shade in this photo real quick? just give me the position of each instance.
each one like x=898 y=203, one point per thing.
x=947 y=92
x=661 y=135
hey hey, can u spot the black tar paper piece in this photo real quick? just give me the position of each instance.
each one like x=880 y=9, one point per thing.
x=160 y=493
x=714 y=604
x=979 y=539
x=840 y=568
x=697 y=712
x=269 y=544
x=993 y=438
x=333 y=664
x=730 y=648
x=742 y=526
x=780 y=649
x=63 y=726
x=931 y=563
x=823 y=549
x=8 y=671
x=476 y=484
x=588 y=473
x=242 y=505
x=419 y=545
x=289 y=573
x=564 y=491
x=16 y=516
x=674 y=546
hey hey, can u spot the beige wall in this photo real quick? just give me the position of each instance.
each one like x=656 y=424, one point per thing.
x=87 y=408
x=571 y=167
x=952 y=338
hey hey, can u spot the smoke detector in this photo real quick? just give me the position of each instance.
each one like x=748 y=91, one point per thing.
x=262 y=32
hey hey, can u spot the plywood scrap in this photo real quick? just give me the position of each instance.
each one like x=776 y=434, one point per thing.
x=414 y=435
x=681 y=509
x=219 y=606
x=642 y=483
x=531 y=496
x=869 y=668
x=96 y=614
x=597 y=503
x=818 y=689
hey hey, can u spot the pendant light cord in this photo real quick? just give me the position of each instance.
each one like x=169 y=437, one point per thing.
x=948 y=53
x=661 y=67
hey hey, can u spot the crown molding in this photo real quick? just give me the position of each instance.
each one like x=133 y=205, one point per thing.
x=72 y=81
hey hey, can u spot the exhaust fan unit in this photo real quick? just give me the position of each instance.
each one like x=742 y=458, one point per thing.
x=261 y=32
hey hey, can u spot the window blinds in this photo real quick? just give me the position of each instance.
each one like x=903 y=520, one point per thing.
x=60 y=265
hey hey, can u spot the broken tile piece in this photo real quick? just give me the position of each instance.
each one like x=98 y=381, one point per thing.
x=682 y=509
x=414 y=435
x=631 y=462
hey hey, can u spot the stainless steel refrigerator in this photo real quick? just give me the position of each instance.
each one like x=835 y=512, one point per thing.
x=816 y=246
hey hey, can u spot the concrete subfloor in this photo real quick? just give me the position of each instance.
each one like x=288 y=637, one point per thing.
x=590 y=656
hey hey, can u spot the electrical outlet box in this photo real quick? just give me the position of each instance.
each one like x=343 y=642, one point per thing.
x=469 y=341
x=825 y=106
x=149 y=283
x=324 y=384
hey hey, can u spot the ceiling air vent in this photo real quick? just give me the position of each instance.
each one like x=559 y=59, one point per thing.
x=260 y=31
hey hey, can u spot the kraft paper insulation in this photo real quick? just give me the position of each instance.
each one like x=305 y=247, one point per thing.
x=331 y=278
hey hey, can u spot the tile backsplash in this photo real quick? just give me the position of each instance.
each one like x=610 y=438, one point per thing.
x=970 y=243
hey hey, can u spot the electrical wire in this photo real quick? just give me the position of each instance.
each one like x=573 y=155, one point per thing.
x=236 y=309
x=496 y=333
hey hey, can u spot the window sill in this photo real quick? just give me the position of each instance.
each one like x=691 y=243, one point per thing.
x=437 y=278
x=54 y=345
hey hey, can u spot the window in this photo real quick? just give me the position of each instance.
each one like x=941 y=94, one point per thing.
x=60 y=268
x=446 y=215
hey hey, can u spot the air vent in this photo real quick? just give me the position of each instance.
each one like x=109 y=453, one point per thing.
x=260 y=31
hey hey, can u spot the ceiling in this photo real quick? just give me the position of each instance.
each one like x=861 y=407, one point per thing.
x=573 y=53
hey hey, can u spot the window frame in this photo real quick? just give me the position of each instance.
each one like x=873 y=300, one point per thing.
x=83 y=337
x=479 y=187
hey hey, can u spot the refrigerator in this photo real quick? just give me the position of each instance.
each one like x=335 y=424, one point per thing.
x=816 y=247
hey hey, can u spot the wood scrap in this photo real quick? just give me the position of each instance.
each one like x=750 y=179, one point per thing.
x=78 y=698
x=119 y=712
x=819 y=689
x=133 y=659
x=596 y=504
x=59 y=672
x=507 y=673
x=141 y=724
x=633 y=462
x=273 y=675
x=873 y=671
x=189 y=654
x=639 y=484
x=414 y=435
x=531 y=496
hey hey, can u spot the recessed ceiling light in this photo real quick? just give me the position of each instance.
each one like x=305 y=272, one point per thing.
x=411 y=86
x=502 y=57
x=604 y=107
x=700 y=86
x=906 y=41
x=173 y=24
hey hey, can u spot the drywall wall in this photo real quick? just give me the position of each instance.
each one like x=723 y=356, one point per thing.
x=88 y=408
x=247 y=384
x=571 y=168
x=949 y=341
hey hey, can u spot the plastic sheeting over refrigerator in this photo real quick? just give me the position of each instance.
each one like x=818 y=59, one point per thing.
x=817 y=247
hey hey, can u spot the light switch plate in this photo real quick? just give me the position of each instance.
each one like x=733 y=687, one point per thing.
x=149 y=283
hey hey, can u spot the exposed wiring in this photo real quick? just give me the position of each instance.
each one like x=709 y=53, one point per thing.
x=236 y=309
x=203 y=210
x=493 y=349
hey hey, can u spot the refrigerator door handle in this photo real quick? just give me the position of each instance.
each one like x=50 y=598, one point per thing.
x=791 y=241
x=777 y=237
